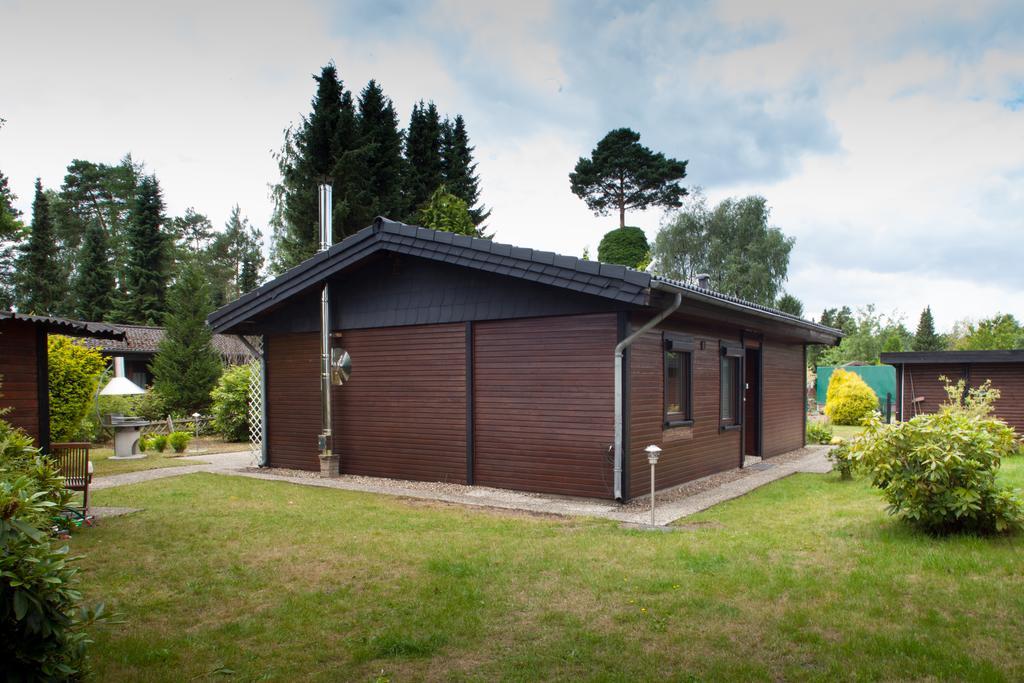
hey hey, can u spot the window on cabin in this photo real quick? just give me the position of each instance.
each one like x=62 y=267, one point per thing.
x=729 y=390
x=677 y=387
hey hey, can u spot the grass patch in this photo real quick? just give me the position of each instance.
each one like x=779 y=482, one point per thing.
x=804 y=579
x=846 y=431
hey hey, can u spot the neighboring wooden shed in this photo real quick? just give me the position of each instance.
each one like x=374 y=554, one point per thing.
x=24 y=376
x=483 y=363
x=919 y=389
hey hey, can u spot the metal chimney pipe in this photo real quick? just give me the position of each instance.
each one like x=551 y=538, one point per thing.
x=325 y=441
x=704 y=281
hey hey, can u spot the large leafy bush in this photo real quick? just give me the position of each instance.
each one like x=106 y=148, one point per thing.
x=74 y=373
x=849 y=399
x=938 y=471
x=42 y=622
x=626 y=246
x=231 y=404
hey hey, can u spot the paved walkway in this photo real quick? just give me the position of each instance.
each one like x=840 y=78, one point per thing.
x=237 y=464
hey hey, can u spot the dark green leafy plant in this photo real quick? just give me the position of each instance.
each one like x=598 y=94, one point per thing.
x=938 y=471
x=819 y=432
x=842 y=461
x=42 y=621
x=159 y=442
x=231 y=404
x=179 y=441
x=625 y=246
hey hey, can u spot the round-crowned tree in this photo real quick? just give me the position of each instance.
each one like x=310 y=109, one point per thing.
x=625 y=246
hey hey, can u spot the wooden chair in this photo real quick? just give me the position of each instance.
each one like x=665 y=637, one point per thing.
x=73 y=461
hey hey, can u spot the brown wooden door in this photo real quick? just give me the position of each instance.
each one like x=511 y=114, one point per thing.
x=752 y=402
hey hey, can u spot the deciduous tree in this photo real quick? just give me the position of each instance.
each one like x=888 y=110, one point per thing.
x=444 y=211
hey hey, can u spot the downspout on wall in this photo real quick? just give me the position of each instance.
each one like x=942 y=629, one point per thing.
x=620 y=349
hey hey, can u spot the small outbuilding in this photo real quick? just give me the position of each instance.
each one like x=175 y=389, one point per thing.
x=484 y=363
x=919 y=388
x=140 y=343
x=24 y=375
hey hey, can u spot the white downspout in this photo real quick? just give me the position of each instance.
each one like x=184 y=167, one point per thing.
x=620 y=349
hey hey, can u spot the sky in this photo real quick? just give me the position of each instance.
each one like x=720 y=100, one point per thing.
x=888 y=138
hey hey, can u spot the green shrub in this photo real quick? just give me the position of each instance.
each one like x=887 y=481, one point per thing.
x=938 y=471
x=143 y=444
x=179 y=441
x=150 y=406
x=159 y=442
x=842 y=459
x=626 y=246
x=42 y=623
x=231 y=404
x=849 y=399
x=819 y=432
x=74 y=373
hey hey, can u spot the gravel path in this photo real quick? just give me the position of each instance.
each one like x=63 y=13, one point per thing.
x=671 y=504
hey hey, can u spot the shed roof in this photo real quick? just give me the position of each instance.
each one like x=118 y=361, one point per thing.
x=66 y=326
x=956 y=357
x=146 y=339
x=608 y=281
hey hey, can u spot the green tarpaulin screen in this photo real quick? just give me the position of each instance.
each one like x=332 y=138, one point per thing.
x=881 y=379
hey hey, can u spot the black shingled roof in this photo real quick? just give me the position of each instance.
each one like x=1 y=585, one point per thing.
x=66 y=326
x=608 y=281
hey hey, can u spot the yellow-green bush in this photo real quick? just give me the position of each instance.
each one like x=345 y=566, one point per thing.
x=74 y=373
x=849 y=399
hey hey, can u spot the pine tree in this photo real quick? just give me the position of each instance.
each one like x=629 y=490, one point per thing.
x=460 y=170
x=926 y=339
x=186 y=366
x=377 y=162
x=310 y=156
x=144 y=281
x=424 y=164
x=94 y=284
x=11 y=233
x=234 y=259
x=41 y=288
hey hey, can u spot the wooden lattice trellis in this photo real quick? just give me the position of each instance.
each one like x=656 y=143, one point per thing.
x=256 y=426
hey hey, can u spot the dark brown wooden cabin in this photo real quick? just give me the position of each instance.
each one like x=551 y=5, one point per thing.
x=919 y=389
x=24 y=377
x=483 y=363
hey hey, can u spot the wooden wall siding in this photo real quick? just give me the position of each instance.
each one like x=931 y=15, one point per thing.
x=19 y=381
x=923 y=381
x=1009 y=379
x=403 y=413
x=709 y=450
x=542 y=398
x=784 y=380
x=293 y=400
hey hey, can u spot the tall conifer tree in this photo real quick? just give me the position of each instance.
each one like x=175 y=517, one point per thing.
x=40 y=286
x=460 y=175
x=309 y=156
x=423 y=153
x=94 y=284
x=11 y=232
x=926 y=339
x=145 y=277
x=378 y=162
x=186 y=366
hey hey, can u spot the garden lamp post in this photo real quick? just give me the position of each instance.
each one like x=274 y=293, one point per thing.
x=195 y=424
x=652 y=457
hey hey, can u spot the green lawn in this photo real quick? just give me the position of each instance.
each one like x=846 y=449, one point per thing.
x=846 y=431
x=806 y=579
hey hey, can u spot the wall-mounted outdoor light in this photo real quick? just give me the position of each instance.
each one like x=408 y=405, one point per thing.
x=652 y=457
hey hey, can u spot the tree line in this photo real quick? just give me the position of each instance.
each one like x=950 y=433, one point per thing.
x=423 y=174
x=102 y=247
x=869 y=333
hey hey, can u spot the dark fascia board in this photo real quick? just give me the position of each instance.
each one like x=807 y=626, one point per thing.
x=65 y=326
x=813 y=332
x=612 y=282
x=953 y=357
